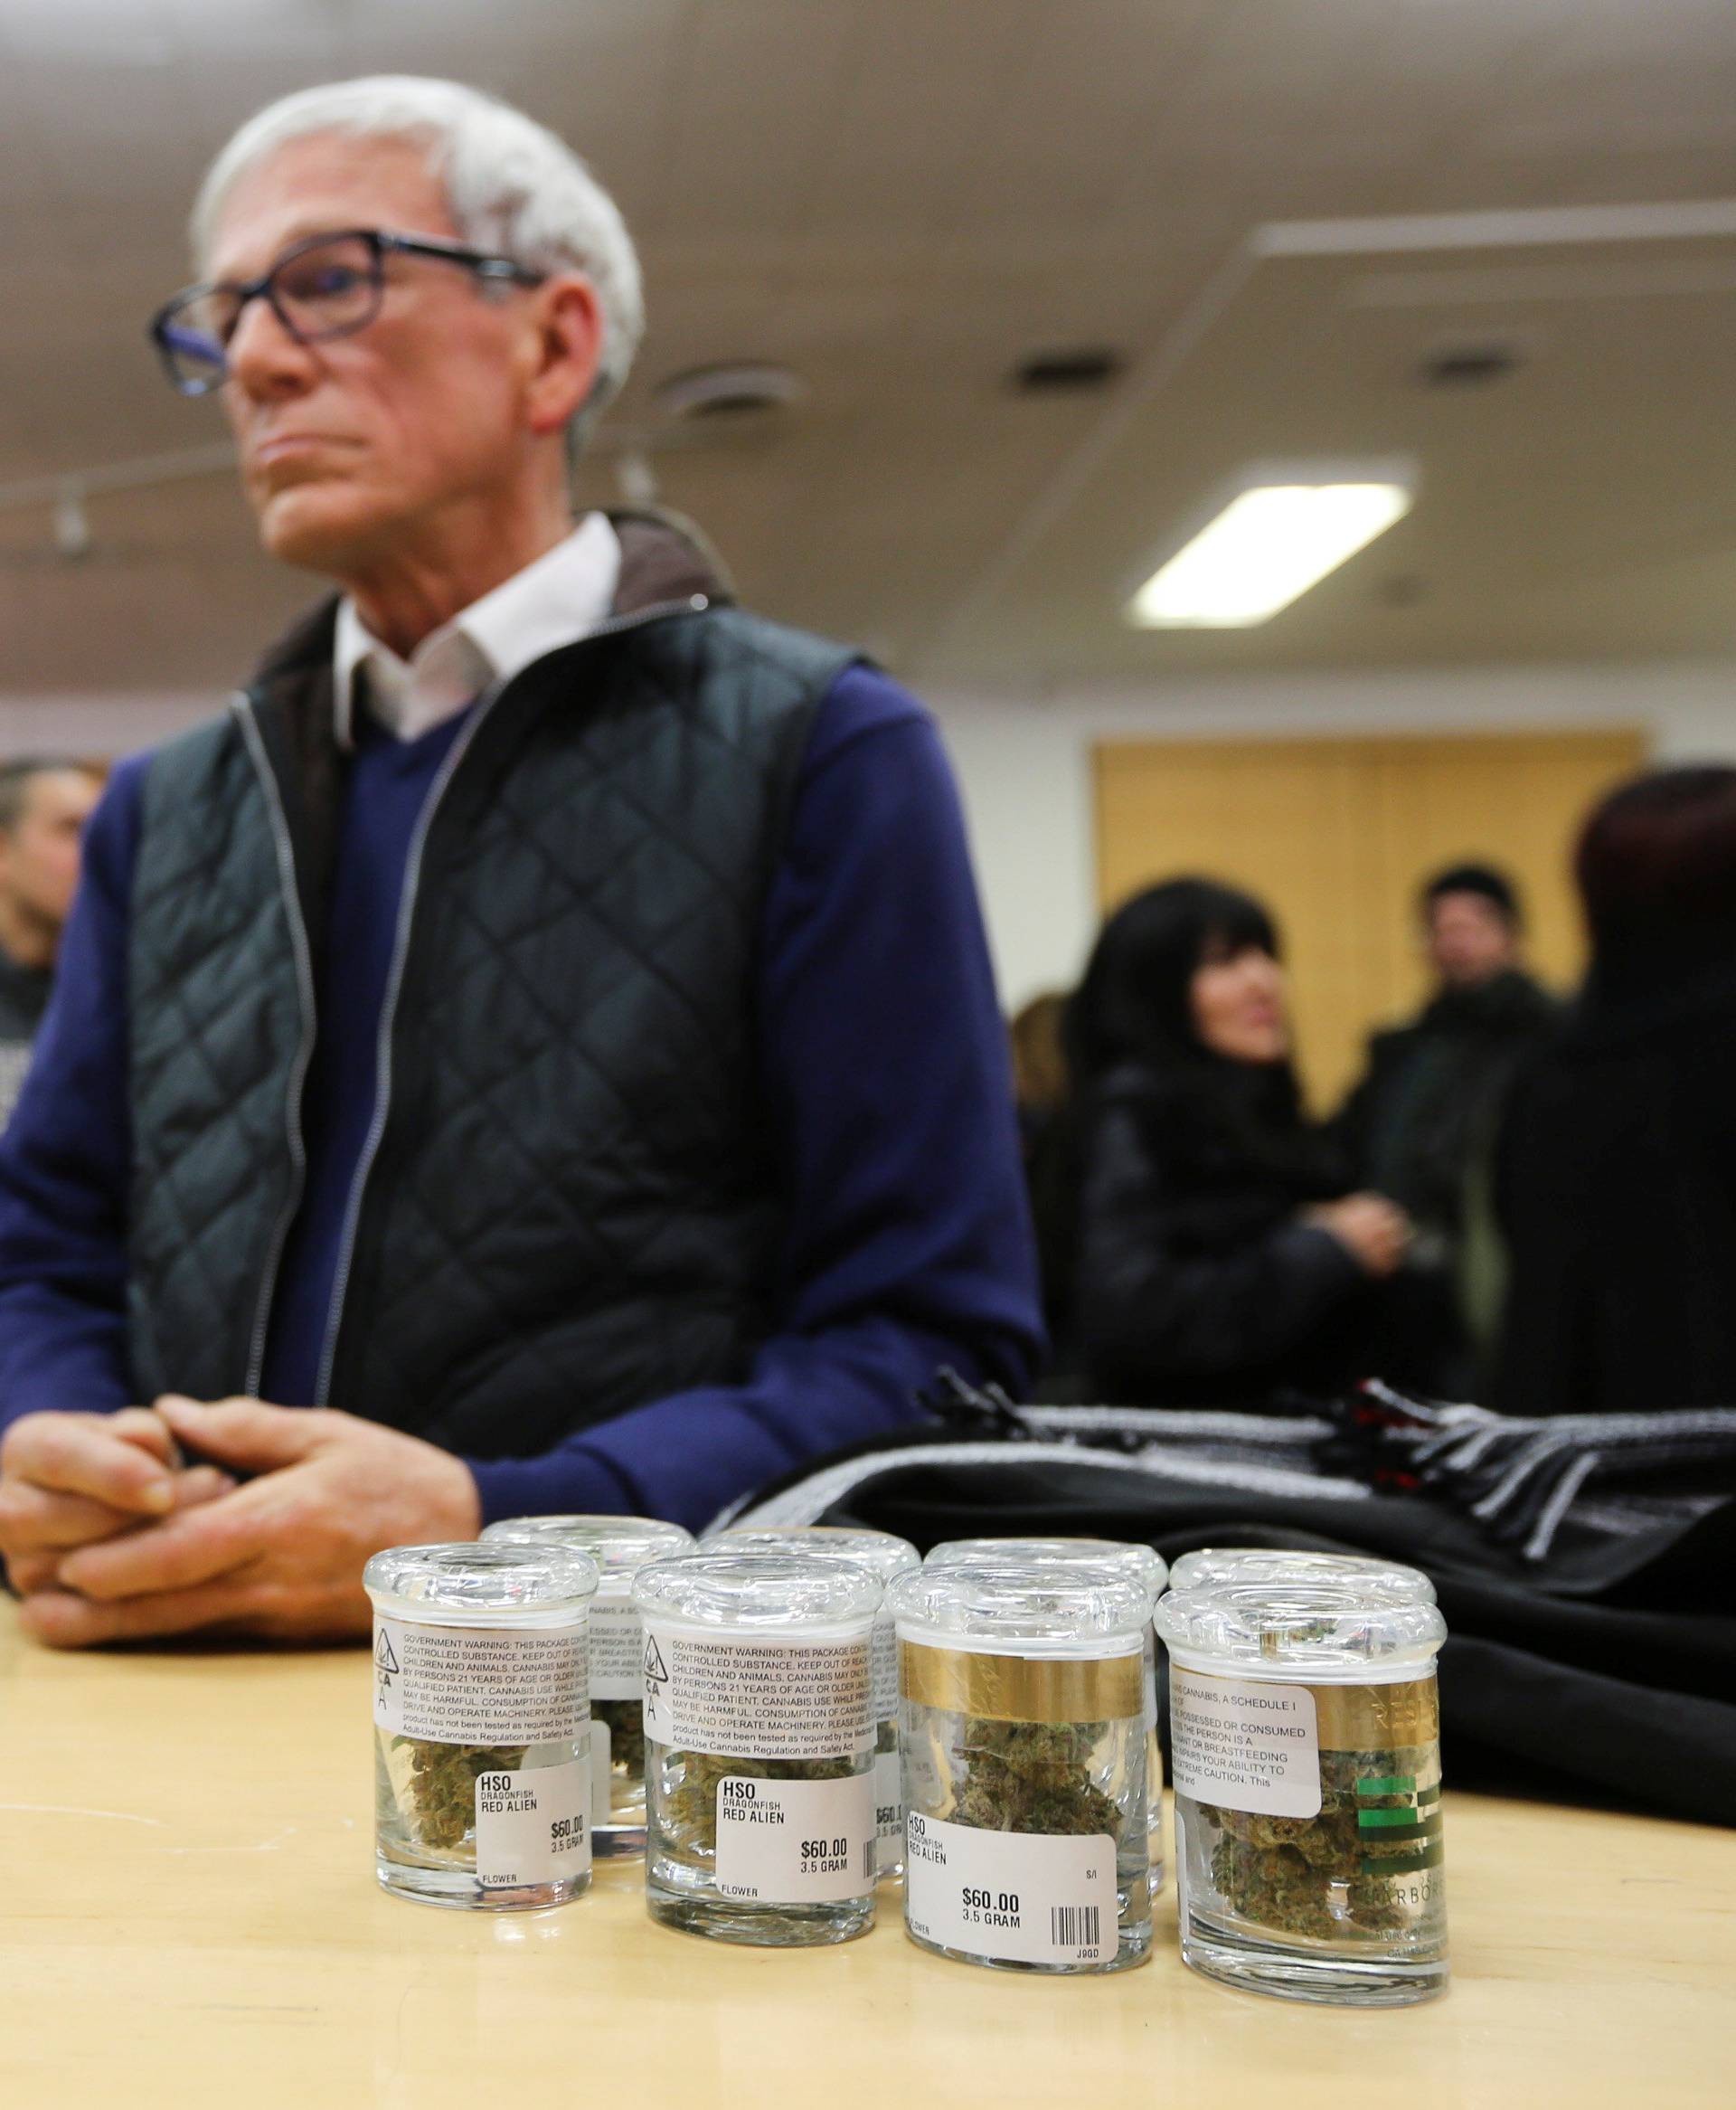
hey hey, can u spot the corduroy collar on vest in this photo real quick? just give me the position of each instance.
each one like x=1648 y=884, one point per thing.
x=664 y=559
x=666 y=562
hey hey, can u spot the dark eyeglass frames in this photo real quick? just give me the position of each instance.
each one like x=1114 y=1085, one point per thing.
x=329 y=286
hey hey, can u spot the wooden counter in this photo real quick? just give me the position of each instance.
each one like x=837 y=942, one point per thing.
x=188 y=1916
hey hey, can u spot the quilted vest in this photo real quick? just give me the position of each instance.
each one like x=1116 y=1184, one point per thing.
x=568 y=1204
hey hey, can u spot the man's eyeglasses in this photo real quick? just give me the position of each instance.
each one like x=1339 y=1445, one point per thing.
x=329 y=286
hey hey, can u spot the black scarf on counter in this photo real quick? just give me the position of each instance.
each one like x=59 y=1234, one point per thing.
x=1585 y=1575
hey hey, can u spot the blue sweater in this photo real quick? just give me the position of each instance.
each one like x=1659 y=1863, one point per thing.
x=883 y=1069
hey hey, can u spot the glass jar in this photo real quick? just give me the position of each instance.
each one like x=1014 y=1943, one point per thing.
x=1023 y=1732
x=621 y=1546
x=1143 y=1565
x=1305 y=1742
x=1212 y=1566
x=889 y=1556
x=759 y=1746
x=482 y=1790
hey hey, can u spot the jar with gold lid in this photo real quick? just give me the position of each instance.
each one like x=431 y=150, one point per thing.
x=1023 y=1736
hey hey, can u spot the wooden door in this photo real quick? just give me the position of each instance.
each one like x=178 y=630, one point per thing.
x=1336 y=834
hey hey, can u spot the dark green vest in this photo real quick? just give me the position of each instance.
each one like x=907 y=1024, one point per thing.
x=569 y=1206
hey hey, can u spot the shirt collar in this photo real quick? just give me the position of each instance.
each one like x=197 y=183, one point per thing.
x=554 y=601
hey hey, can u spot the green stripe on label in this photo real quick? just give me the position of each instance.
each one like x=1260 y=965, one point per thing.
x=1428 y=1794
x=1381 y=1820
x=1397 y=1784
x=1401 y=1832
x=1411 y=1864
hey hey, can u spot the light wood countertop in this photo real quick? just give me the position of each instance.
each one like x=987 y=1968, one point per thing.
x=188 y=1917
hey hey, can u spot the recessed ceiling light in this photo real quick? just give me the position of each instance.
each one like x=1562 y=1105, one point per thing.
x=734 y=390
x=1283 y=529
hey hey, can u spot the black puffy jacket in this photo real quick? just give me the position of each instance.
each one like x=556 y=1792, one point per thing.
x=1195 y=1279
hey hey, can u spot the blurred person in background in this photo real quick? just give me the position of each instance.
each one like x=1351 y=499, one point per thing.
x=1224 y=1254
x=1039 y=1060
x=1616 y=1170
x=537 y=1050
x=1040 y=1086
x=44 y=803
x=1420 y=1125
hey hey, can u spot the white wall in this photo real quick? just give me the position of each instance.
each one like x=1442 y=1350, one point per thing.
x=1025 y=763
x=110 y=725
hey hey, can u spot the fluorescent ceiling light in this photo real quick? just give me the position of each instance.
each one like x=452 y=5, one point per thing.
x=1280 y=534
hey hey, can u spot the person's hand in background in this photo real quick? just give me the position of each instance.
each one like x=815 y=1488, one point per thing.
x=1376 y=1233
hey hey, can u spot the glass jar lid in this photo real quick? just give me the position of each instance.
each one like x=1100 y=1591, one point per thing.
x=884 y=1551
x=482 y=1583
x=818 y=1594
x=1307 y=1633
x=620 y=1545
x=1212 y=1566
x=1031 y=1608
x=1125 y=1556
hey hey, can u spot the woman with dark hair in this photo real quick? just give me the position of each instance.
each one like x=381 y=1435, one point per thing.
x=1615 y=1174
x=1220 y=1257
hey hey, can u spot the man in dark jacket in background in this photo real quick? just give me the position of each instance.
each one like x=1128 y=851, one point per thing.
x=1419 y=1126
x=1614 y=1181
x=538 y=1051
x=44 y=803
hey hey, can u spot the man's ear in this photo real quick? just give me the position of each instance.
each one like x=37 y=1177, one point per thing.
x=568 y=351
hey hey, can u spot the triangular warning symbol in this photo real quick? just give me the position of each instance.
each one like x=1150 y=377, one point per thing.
x=382 y=1654
x=653 y=1666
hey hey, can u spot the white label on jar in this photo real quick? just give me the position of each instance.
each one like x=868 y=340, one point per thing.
x=757 y=1699
x=479 y=1684
x=602 y=1792
x=795 y=1841
x=1023 y=1898
x=889 y=1805
x=884 y=1674
x=616 y=1641
x=532 y=1827
x=1244 y=1743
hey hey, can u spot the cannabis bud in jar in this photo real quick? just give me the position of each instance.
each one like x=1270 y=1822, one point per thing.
x=888 y=1557
x=689 y=1807
x=1023 y=1731
x=481 y=1793
x=443 y=1784
x=759 y=1737
x=621 y=1546
x=1139 y=1564
x=1306 y=1742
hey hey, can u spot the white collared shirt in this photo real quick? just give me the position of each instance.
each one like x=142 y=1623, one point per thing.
x=555 y=602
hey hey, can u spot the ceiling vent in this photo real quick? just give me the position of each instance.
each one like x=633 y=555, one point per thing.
x=1069 y=372
x=1471 y=366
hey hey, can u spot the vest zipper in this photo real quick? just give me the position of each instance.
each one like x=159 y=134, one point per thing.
x=658 y=612
x=241 y=705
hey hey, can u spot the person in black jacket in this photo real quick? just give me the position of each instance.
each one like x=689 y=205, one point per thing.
x=1431 y=1083
x=1616 y=1172
x=1222 y=1255
x=1420 y=1125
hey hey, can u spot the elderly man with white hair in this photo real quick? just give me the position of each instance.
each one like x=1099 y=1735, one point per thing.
x=536 y=1050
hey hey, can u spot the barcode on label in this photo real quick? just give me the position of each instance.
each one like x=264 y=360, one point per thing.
x=1073 y=1927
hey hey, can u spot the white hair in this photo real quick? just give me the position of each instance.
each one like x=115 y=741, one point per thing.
x=512 y=186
